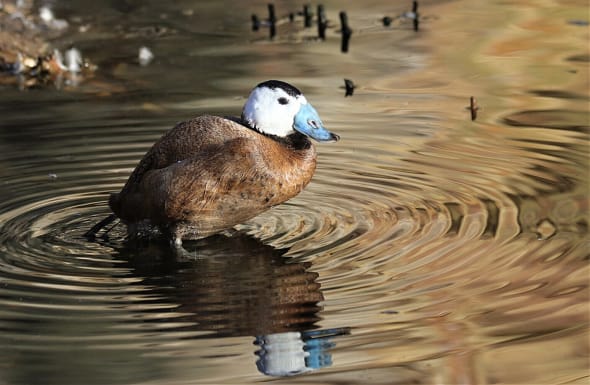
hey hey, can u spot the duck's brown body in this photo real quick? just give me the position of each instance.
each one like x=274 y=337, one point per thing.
x=209 y=174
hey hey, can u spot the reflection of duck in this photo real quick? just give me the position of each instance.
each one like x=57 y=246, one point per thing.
x=290 y=353
x=234 y=286
x=211 y=173
x=238 y=286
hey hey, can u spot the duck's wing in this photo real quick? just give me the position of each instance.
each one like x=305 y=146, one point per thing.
x=185 y=140
x=218 y=187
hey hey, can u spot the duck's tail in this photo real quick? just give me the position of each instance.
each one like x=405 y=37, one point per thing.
x=91 y=234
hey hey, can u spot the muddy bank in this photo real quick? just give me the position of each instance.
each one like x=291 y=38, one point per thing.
x=27 y=57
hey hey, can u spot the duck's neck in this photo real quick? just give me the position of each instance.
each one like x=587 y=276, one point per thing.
x=295 y=141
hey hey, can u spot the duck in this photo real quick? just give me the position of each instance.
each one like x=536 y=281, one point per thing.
x=211 y=173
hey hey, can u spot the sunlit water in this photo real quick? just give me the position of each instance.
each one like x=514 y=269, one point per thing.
x=428 y=248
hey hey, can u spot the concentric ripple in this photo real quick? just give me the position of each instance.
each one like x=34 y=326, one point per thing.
x=428 y=247
x=379 y=244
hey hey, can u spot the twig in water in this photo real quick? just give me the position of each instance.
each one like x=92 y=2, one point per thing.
x=473 y=107
x=306 y=16
x=346 y=32
x=255 y=22
x=322 y=22
x=272 y=20
x=416 y=15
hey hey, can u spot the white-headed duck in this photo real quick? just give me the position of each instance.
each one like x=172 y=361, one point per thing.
x=211 y=173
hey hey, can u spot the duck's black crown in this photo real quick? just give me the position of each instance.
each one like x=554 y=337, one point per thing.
x=272 y=84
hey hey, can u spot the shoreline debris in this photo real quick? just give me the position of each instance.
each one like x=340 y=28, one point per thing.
x=27 y=58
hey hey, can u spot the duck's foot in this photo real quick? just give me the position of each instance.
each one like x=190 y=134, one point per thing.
x=180 y=252
x=177 y=241
x=175 y=234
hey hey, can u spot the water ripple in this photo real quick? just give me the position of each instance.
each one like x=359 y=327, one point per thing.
x=424 y=230
x=423 y=236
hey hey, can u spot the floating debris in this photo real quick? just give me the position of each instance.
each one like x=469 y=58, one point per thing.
x=409 y=15
x=579 y=23
x=48 y=69
x=346 y=32
x=145 y=56
x=84 y=28
x=49 y=19
x=73 y=60
x=349 y=86
x=46 y=14
x=58 y=61
x=52 y=175
x=322 y=22
x=546 y=229
x=473 y=107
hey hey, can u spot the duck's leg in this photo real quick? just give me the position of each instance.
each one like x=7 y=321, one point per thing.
x=91 y=234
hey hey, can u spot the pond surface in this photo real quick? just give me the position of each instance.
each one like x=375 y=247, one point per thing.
x=429 y=248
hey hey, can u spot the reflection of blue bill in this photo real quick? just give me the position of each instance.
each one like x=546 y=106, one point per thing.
x=290 y=353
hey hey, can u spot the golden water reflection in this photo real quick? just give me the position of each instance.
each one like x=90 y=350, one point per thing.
x=429 y=248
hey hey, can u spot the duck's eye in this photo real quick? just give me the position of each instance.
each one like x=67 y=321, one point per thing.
x=283 y=101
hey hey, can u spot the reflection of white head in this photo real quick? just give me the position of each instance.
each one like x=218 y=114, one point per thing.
x=271 y=108
x=282 y=354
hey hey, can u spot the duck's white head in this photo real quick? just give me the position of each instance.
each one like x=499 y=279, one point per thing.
x=277 y=108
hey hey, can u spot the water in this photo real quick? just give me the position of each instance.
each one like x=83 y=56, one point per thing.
x=428 y=248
